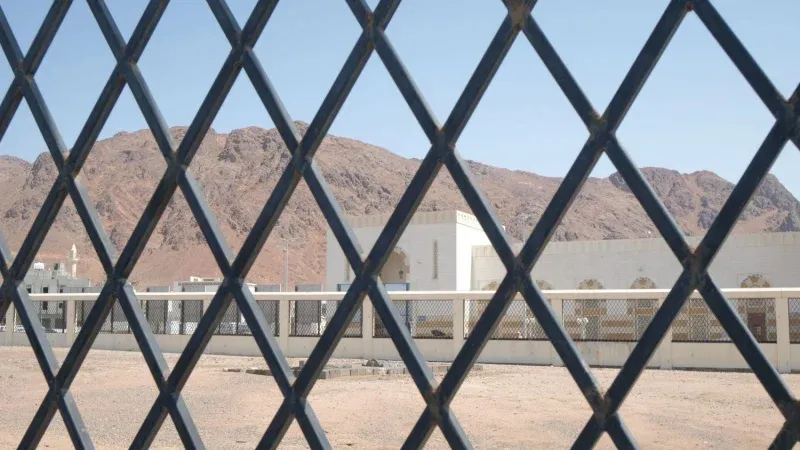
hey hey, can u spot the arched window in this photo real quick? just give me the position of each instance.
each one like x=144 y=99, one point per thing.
x=397 y=268
x=491 y=286
x=591 y=283
x=643 y=283
x=756 y=281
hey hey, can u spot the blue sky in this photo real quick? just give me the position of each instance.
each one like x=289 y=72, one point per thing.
x=696 y=112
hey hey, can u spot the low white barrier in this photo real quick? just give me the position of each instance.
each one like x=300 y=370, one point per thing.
x=604 y=324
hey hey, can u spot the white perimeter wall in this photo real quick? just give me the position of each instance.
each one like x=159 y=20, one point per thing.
x=784 y=354
x=617 y=264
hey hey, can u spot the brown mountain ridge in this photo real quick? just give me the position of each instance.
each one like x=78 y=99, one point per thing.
x=238 y=171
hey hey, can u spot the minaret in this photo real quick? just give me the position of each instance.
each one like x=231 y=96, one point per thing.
x=72 y=262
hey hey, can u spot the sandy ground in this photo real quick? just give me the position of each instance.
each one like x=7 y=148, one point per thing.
x=499 y=407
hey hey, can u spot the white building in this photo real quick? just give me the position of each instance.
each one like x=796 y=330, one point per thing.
x=61 y=277
x=434 y=253
x=448 y=250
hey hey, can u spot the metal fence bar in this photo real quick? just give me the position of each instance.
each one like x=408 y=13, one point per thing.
x=694 y=276
x=231 y=287
x=128 y=316
x=25 y=67
x=599 y=129
x=88 y=215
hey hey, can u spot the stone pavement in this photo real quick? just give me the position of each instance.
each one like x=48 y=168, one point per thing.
x=368 y=368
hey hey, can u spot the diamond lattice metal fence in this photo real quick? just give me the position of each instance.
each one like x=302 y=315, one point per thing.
x=118 y=299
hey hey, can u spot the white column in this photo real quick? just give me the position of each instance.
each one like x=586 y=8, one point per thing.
x=458 y=325
x=9 y=333
x=663 y=353
x=206 y=302
x=70 y=331
x=784 y=340
x=283 y=321
x=557 y=305
x=367 y=318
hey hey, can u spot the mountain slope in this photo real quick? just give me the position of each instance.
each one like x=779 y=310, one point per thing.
x=239 y=170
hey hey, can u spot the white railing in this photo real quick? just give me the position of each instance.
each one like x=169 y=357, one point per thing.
x=604 y=324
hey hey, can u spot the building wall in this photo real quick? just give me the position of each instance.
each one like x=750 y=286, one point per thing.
x=268 y=288
x=53 y=282
x=157 y=289
x=617 y=264
x=306 y=288
x=468 y=236
x=203 y=286
x=418 y=244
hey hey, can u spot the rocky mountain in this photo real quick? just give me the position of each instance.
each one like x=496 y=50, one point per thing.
x=239 y=170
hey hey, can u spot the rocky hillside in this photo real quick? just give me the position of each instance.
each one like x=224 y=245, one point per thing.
x=238 y=171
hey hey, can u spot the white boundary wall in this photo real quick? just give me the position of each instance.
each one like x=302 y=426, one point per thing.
x=784 y=356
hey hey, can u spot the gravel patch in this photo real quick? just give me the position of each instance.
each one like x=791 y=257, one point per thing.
x=520 y=407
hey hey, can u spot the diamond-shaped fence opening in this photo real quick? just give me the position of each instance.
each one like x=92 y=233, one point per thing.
x=333 y=32
x=373 y=107
x=22 y=213
x=142 y=164
x=736 y=102
x=599 y=81
x=75 y=87
x=439 y=29
x=118 y=310
x=182 y=81
x=544 y=109
x=236 y=196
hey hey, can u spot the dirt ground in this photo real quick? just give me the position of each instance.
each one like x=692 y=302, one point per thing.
x=499 y=407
